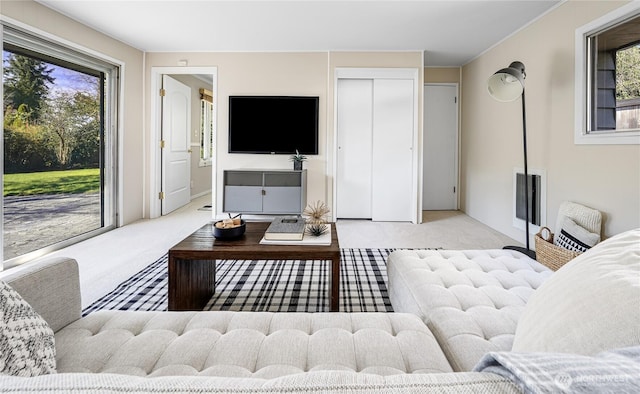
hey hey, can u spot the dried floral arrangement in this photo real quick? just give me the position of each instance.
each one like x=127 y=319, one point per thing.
x=316 y=213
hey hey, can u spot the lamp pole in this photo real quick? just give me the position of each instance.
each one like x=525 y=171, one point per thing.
x=526 y=173
x=506 y=85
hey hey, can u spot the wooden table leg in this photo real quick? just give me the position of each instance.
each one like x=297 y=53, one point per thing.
x=335 y=284
x=191 y=283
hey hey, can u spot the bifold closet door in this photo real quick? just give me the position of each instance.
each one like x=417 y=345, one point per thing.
x=354 y=137
x=375 y=128
x=393 y=128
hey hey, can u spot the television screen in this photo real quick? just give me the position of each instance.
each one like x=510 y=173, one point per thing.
x=273 y=124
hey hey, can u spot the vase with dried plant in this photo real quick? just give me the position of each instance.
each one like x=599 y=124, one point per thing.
x=316 y=213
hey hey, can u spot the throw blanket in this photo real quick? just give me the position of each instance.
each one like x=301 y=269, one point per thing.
x=615 y=371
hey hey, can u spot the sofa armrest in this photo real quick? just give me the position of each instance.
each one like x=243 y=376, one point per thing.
x=52 y=288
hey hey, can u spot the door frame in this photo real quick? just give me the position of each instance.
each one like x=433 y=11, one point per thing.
x=381 y=73
x=155 y=135
x=457 y=143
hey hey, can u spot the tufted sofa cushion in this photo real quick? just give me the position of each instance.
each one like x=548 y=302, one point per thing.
x=247 y=344
x=471 y=300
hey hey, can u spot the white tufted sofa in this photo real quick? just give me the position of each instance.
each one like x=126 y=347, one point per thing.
x=194 y=352
x=471 y=300
x=247 y=344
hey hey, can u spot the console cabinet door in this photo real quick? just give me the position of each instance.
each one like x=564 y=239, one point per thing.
x=282 y=200
x=243 y=199
x=242 y=192
x=282 y=192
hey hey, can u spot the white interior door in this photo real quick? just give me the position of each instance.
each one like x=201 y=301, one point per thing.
x=393 y=131
x=440 y=148
x=354 y=130
x=176 y=160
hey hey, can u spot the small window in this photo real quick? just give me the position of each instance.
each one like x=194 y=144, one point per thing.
x=608 y=80
x=206 y=127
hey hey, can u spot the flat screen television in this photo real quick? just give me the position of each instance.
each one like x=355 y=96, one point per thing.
x=273 y=124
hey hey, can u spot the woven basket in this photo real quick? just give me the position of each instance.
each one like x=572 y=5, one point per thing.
x=551 y=255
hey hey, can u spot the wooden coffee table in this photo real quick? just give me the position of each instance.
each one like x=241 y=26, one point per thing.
x=192 y=262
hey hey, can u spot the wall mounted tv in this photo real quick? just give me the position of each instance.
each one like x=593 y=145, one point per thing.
x=273 y=124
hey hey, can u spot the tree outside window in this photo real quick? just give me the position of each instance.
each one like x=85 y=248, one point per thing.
x=59 y=134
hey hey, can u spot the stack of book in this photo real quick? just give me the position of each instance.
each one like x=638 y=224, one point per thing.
x=286 y=228
x=290 y=230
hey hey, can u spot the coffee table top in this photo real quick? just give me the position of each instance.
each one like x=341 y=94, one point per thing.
x=202 y=244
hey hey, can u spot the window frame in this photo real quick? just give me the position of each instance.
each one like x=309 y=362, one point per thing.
x=33 y=39
x=582 y=74
x=207 y=133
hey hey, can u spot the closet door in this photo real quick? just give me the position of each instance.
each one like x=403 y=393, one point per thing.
x=393 y=128
x=354 y=160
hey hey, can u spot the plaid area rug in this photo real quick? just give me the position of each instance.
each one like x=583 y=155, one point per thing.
x=267 y=285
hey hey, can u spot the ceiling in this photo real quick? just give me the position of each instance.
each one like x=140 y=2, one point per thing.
x=450 y=32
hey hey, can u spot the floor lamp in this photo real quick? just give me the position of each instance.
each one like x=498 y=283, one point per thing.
x=507 y=85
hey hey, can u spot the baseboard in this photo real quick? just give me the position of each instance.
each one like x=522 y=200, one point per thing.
x=194 y=196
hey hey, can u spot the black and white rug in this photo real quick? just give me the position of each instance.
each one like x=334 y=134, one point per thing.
x=268 y=285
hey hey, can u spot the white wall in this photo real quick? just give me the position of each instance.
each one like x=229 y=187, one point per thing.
x=258 y=74
x=299 y=73
x=238 y=73
x=604 y=177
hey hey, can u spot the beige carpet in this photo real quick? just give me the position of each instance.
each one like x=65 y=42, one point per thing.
x=440 y=229
x=109 y=259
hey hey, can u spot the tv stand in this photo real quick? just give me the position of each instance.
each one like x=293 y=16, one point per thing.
x=280 y=192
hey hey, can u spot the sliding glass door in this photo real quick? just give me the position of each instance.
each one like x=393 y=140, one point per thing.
x=59 y=146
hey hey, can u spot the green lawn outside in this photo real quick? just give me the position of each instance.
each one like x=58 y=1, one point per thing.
x=52 y=182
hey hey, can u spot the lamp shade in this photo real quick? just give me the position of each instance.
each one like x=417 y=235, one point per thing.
x=507 y=84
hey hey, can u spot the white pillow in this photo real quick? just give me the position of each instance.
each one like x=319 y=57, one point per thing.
x=585 y=217
x=591 y=304
x=574 y=237
x=27 y=345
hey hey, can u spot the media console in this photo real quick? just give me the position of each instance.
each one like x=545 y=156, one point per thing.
x=264 y=191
